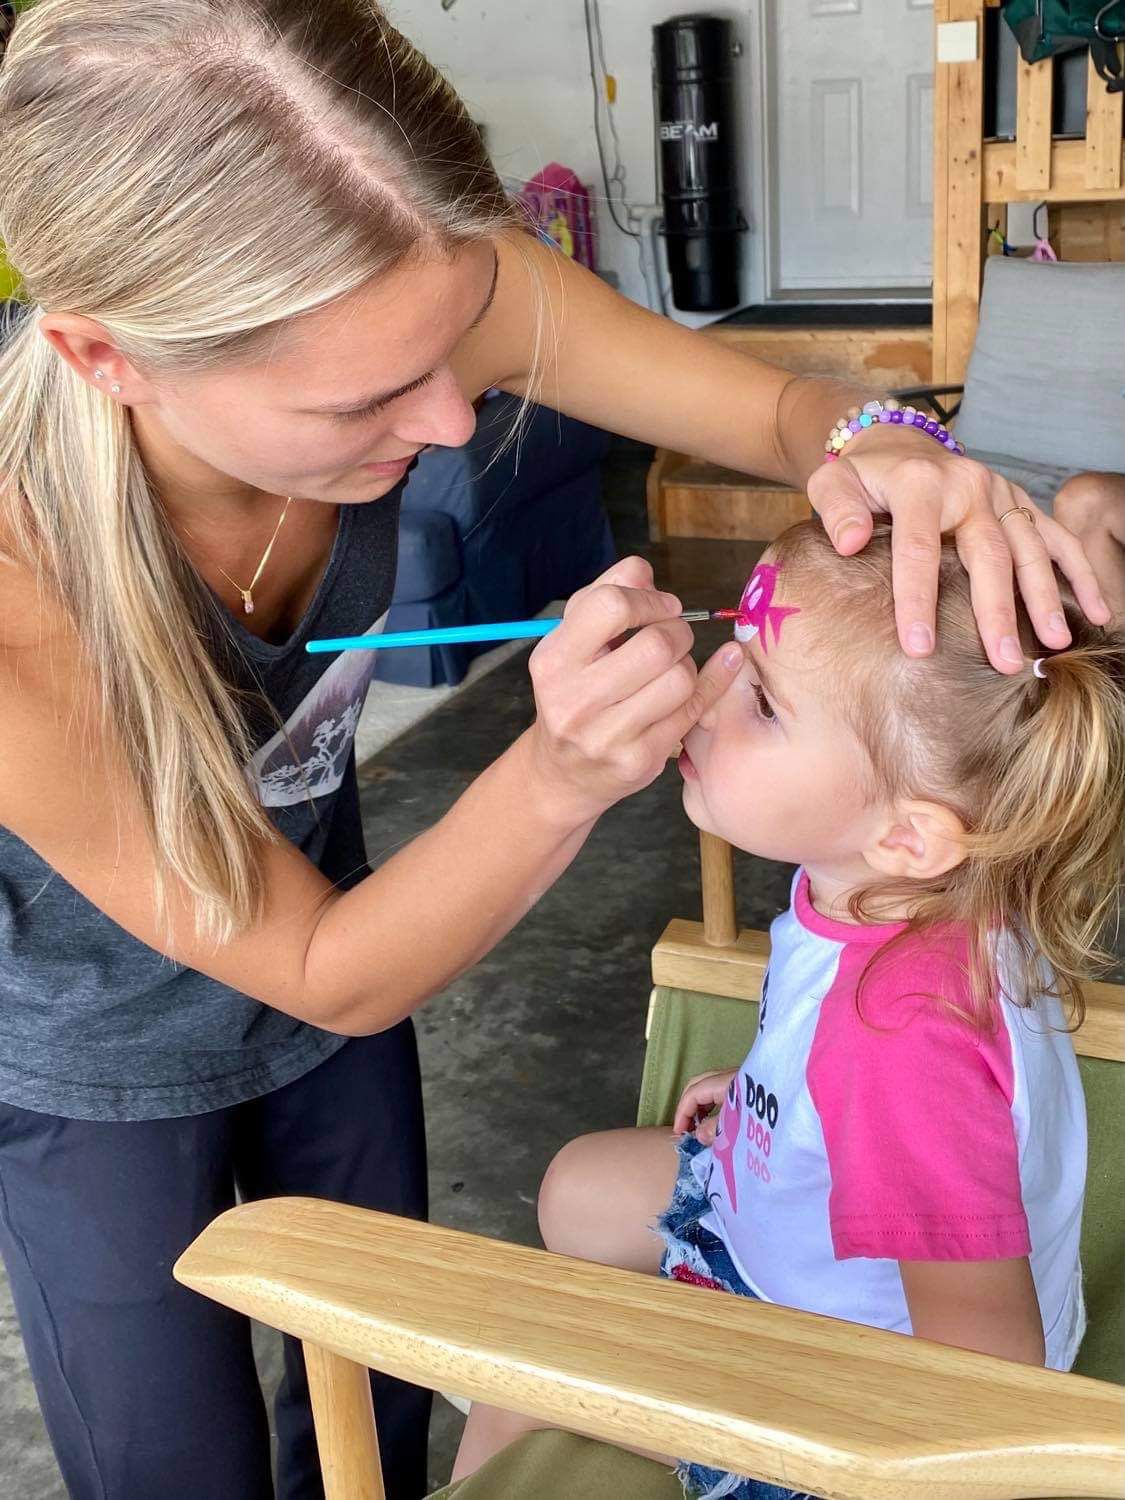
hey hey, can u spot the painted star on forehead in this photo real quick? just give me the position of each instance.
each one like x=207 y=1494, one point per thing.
x=756 y=610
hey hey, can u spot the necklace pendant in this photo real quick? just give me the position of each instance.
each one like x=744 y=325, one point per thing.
x=247 y=603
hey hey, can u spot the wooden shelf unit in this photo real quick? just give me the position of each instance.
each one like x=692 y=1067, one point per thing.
x=1081 y=180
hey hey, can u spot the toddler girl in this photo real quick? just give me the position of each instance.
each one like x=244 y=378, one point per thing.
x=904 y=1146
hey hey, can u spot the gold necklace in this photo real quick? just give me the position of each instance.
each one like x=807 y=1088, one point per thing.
x=248 y=592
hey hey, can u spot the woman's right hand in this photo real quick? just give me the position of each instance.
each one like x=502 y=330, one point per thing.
x=611 y=709
x=698 y=1102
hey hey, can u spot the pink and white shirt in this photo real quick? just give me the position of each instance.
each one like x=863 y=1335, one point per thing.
x=868 y=1128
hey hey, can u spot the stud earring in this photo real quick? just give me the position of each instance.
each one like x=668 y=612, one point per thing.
x=99 y=374
x=115 y=389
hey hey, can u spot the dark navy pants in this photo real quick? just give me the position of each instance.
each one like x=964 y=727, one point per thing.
x=149 y=1390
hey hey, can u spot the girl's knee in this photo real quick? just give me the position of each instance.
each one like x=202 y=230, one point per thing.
x=567 y=1195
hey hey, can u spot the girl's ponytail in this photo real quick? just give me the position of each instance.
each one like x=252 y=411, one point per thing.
x=1045 y=855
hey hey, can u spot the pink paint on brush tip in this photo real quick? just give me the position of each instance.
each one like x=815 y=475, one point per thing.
x=757 y=611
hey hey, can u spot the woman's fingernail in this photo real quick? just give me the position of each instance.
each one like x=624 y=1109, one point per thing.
x=844 y=531
x=920 y=638
x=732 y=657
x=1011 y=650
x=1057 y=622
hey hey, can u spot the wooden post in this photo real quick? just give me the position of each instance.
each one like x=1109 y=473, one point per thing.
x=340 y=1392
x=1103 y=134
x=1035 y=88
x=958 y=199
x=716 y=859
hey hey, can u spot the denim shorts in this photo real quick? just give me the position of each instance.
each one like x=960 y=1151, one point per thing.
x=695 y=1255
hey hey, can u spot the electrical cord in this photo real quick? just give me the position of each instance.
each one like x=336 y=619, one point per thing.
x=593 y=25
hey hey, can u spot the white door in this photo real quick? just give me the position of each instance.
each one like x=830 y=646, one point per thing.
x=851 y=144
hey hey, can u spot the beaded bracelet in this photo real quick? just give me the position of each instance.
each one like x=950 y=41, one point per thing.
x=876 y=412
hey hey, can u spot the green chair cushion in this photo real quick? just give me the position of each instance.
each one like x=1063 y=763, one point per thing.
x=692 y=1033
x=562 y=1466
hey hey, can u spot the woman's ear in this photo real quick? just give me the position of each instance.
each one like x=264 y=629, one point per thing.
x=918 y=841
x=91 y=353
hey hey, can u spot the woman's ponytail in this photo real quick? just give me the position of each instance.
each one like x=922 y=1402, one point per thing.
x=78 y=507
x=191 y=177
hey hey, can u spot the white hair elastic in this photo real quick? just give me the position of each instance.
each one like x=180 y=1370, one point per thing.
x=1037 y=666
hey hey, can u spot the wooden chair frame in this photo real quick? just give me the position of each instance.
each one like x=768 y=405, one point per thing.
x=975 y=179
x=630 y=1358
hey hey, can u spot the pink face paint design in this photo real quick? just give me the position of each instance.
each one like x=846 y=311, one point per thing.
x=756 y=610
x=726 y=1137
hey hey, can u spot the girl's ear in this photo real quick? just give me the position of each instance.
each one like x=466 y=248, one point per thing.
x=919 y=840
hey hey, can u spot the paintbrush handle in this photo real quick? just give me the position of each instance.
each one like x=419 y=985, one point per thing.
x=458 y=635
x=453 y=635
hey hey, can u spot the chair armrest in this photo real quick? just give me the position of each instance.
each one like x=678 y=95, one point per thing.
x=800 y=1400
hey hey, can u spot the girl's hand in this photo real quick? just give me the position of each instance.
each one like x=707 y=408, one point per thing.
x=928 y=492
x=699 y=1100
x=614 y=706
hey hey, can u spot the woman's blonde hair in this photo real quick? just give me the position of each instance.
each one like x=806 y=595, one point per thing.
x=191 y=174
x=1033 y=766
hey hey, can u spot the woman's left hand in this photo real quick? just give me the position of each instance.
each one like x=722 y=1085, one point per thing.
x=930 y=493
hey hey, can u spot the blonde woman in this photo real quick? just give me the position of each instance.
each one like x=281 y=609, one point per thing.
x=266 y=262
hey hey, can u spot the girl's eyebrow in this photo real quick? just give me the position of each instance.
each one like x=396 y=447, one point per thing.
x=385 y=397
x=757 y=661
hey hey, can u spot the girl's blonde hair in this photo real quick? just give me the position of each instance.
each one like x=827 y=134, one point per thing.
x=191 y=174
x=1034 y=766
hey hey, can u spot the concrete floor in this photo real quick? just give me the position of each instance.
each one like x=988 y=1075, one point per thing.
x=544 y=1039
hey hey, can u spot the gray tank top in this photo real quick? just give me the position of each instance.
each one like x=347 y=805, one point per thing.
x=95 y=1025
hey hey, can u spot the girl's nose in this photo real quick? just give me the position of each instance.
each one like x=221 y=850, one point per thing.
x=438 y=413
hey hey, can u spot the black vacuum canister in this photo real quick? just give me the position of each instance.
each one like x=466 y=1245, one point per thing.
x=693 y=83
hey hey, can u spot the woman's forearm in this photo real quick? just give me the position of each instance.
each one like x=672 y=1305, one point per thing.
x=445 y=900
x=612 y=363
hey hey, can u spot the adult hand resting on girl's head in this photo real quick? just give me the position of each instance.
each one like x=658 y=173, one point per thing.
x=931 y=492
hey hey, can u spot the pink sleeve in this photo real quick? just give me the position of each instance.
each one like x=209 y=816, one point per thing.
x=915 y=1108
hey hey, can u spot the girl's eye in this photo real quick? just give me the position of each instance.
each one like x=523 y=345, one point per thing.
x=765 y=707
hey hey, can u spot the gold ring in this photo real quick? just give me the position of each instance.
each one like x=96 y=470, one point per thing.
x=1019 y=510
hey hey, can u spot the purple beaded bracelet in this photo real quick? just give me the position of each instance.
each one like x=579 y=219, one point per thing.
x=876 y=412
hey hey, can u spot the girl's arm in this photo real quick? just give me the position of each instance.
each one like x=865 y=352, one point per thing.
x=358 y=961
x=557 y=332
x=986 y=1305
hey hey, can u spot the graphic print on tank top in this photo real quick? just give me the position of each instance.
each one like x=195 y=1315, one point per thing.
x=308 y=757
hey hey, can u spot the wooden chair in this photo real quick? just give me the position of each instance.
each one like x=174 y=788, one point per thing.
x=976 y=178
x=809 y=1402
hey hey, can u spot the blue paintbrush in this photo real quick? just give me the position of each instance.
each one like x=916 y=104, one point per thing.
x=456 y=635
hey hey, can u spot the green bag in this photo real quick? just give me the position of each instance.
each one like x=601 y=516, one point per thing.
x=1044 y=28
